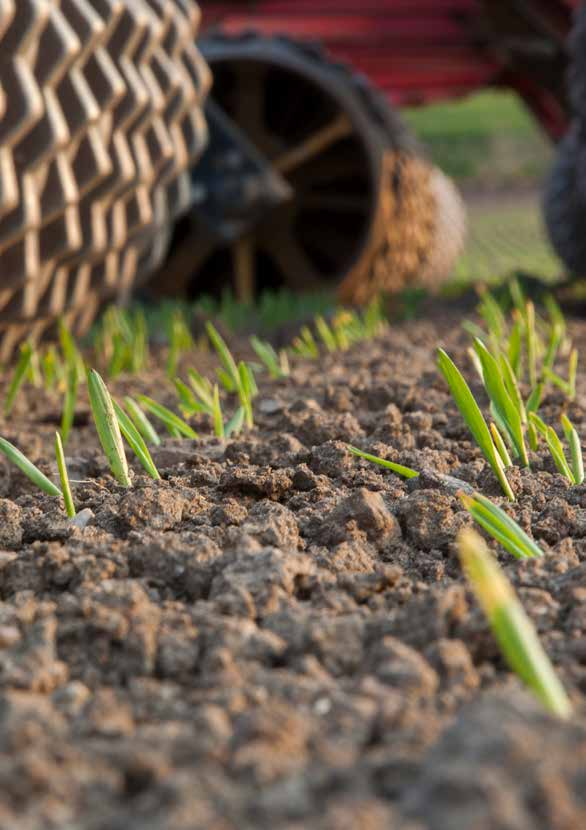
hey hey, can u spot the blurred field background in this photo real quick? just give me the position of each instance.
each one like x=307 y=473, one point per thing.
x=497 y=153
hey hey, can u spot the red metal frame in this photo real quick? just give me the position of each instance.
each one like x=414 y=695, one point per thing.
x=420 y=51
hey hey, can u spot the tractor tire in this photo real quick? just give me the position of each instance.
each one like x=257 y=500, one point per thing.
x=577 y=71
x=100 y=121
x=406 y=231
x=564 y=205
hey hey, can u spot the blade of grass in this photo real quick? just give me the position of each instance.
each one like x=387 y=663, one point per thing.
x=534 y=399
x=510 y=625
x=572 y=373
x=70 y=351
x=555 y=339
x=72 y=382
x=28 y=468
x=245 y=392
x=327 y=336
x=514 y=348
x=267 y=354
x=108 y=428
x=512 y=386
x=20 y=372
x=557 y=452
x=573 y=440
x=538 y=423
x=500 y=525
x=136 y=442
x=52 y=368
x=169 y=418
x=473 y=417
x=189 y=403
x=492 y=314
x=64 y=477
x=224 y=354
x=497 y=392
x=141 y=422
x=531 y=343
x=235 y=424
x=202 y=388
x=399 y=469
x=500 y=445
x=217 y=414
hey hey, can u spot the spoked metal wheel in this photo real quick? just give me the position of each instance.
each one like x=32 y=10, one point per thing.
x=348 y=162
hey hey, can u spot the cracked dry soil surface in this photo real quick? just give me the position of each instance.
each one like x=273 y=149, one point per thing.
x=278 y=635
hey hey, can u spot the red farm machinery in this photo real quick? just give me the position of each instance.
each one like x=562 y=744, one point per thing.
x=340 y=192
x=309 y=176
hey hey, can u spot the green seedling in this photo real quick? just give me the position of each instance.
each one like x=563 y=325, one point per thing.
x=473 y=329
x=557 y=453
x=175 y=425
x=122 y=341
x=71 y=354
x=374 y=319
x=235 y=424
x=492 y=314
x=51 y=368
x=510 y=625
x=510 y=380
x=531 y=343
x=68 y=415
x=555 y=313
x=508 y=412
x=474 y=419
x=225 y=355
x=180 y=341
x=500 y=526
x=202 y=388
x=108 y=428
x=514 y=346
x=327 y=336
x=555 y=445
x=304 y=344
x=64 y=477
x=556 y=336
x=19 y=376
x=139 y=357
x=217 y=416
x=573 y=440
x=568 y=387
x=277 y=364
x=534 y=399
x=135 y=441
x=141 y=422
x=517 y=296
x=189 y=403
x=247 y=389
x=538 y=423
x=28 y=468
x=235 y=378
x=500 y=446
x=405 y=472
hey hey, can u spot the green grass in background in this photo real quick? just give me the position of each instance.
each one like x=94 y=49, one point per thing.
x=498 y=154
x=489 y=140
x=505 y=238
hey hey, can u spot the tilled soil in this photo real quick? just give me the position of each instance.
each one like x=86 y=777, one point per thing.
x=278 y=635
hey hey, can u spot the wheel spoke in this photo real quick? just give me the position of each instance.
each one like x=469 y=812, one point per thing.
x=314 y=145
x=249 y=112
x=297 y=269
x=186 y=260
x=244 y=269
